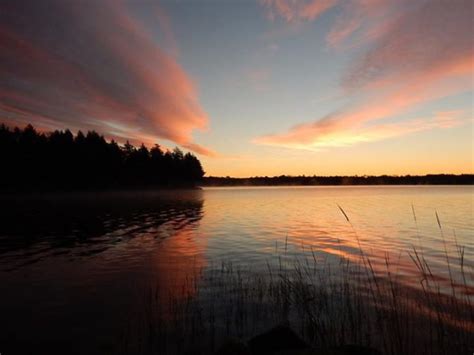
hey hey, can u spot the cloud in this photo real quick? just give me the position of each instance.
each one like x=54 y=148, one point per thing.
x=422 y=55
x=366 y=18
x=95 y=65
x=294 y=10
x=327 y=138
x=201 y=150
x=432 y=35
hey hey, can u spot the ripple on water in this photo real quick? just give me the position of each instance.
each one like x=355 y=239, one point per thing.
x=62 y=252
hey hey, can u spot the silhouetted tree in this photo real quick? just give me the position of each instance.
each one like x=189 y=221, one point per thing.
x=58 y=160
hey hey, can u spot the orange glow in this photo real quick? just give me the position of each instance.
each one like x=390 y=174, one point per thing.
x=179 y=262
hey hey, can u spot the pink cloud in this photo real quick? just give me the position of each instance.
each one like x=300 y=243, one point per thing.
x=93 y=65
x=430 y=36
x=294 y=10
x=426 y=54
x=312 y=9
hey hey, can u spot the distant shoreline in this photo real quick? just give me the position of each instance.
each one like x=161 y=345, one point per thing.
x=285 y=180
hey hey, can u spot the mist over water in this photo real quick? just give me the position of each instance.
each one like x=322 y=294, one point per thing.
x=68 y=259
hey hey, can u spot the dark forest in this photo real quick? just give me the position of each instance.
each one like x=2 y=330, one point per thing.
x=59 y=160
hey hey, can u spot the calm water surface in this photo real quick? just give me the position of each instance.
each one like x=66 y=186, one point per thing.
x=76 y=267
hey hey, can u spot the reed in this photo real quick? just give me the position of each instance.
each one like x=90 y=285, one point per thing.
x=328 y=303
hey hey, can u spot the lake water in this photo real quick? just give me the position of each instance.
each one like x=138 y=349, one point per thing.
x=75 y=267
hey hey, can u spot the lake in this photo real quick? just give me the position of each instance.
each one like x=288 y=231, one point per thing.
x=77 y=267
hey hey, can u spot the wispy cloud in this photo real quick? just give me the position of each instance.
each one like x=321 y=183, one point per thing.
x=94 y=65
x=362 y=20
x=422 y=54
x=294 y=10
x=197 y=148
x=303 y=136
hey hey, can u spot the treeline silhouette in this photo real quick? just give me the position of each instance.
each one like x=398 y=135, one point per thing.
x=31 y=160
x=285 y=180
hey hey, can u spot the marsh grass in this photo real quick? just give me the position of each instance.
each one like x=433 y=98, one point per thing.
x=327 y=303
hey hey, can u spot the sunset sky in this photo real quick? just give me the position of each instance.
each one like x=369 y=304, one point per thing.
x=264 y=87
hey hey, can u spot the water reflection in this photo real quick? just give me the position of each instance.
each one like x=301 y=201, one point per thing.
x=82 y=225
x=76 y=267
x=78 y=257
x=253 y=224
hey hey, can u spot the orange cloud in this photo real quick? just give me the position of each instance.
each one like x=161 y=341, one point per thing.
x=294 y=10
x=425 y=55
x=93 y=65
x=304 y=138
x=201 y=150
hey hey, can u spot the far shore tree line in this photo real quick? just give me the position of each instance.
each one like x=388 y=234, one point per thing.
x=302 y=180
x=61 y=160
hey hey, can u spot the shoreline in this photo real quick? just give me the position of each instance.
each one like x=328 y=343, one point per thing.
x=340 y=180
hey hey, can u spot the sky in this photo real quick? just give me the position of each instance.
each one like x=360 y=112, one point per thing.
x=263 y=87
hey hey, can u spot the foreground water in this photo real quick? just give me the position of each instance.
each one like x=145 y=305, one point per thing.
x=76 y=267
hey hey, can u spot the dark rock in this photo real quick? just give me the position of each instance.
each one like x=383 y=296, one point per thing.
x=193 y=352
x=350 y=350
x=296 y=352
x=233 y=347
x=276 y=340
